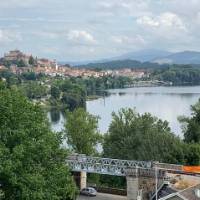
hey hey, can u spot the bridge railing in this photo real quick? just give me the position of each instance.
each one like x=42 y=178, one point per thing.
x=109 y=161
x=80 y=162
x=105 y=165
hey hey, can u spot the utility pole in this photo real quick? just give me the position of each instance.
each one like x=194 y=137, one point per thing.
x=156 y=177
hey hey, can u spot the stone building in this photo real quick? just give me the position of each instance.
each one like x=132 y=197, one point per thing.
x=16 y=55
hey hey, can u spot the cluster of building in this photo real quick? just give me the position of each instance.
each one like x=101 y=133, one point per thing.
x=16 y=55
x=51 y=68
x=126 y=72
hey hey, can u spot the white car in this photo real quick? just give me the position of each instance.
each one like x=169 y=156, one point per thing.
x=89 y=191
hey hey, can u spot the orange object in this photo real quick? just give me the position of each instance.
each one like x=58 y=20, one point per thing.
x=192 y=169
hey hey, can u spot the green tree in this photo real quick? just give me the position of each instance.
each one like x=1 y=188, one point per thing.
x=31 y=76
x=192 y=154
x=21 y=63
x=31 y=60
x=55 y=92
x=191 y=125
x=73 y=101
x=133 y=136
x=82 y=131
x=32 y=161
x=141 y=137
x=2 y=85
x=191 y=130
x=178 y=75
x=7 y=63
x=34 y=90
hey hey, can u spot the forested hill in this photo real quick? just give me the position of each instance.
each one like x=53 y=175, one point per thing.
x=178 y=74
x=119 y=64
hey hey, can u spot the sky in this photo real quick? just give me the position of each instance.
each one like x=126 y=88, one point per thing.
x=77 y=30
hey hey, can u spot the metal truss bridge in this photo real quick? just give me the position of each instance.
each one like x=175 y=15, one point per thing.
x=116 y=167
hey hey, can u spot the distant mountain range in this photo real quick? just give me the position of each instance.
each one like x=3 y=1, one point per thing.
x=163 y=57
x=185 y=57
x=144 y=55
x=148 y=56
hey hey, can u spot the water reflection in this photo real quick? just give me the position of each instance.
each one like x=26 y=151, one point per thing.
x=55 y=115
x=57 y=119
x=122 y=93
x=166 y=103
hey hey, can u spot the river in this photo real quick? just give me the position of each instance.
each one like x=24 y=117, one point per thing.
x=166 y=103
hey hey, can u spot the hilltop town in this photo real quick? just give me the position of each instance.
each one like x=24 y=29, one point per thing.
x=18 y=62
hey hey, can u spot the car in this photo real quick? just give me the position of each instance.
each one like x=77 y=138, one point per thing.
x=89 y=191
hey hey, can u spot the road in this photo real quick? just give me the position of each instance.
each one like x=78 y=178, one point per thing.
x=101 y=196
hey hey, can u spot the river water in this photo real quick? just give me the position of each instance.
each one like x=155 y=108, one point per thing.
x=166 y=103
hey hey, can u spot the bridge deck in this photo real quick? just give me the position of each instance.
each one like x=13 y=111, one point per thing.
x=118 y=167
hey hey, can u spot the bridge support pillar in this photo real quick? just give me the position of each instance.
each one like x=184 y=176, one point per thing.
x=132 y=187
x=83 y=180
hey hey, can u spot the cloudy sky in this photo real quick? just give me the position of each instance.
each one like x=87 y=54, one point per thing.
x=74 y=30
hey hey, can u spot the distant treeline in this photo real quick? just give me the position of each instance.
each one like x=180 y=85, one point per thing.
x=69 y=92
x=120 y=64
x=178 y=75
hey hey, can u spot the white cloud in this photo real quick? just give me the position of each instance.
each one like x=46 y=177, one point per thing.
x=8 y=36
x=134 y=24
x=147 y=21
x=81 y=36
x=46 y=34
x=124 y=7
x=105 y=5
x=50 y=50
x=125 y=40
x=22 y=3
x=35 y=19
x=171 y=20
x=165 y=20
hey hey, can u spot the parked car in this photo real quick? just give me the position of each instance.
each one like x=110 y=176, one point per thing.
x=89 y=191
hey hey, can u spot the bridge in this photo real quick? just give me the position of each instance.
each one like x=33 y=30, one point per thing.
x=134 y=171
x=107 y=166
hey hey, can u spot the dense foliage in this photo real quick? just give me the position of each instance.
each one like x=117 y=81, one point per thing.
x=178 y=75
x=82 y=132
x=191 y=125
x=98 y=85
x=32 y=162
x=191 y=130
x=192 y=154
x=133 y=136
x=68 y=94
x=72 y=93
x=34 y=90
x=141 y=137
x=119 y=64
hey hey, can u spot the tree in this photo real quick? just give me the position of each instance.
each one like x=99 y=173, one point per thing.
x=2 y=85
x=21 y=63
x=191 y=129
x=73 y=101
x=191 y=125
x=31 y=60
x=7 y=63
x=178 y=75
x=32 y=161
x=55 y=92
x=82 y=131
x=34 y=90
x=31 y=76
x=141 y=137
x=192 y=154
